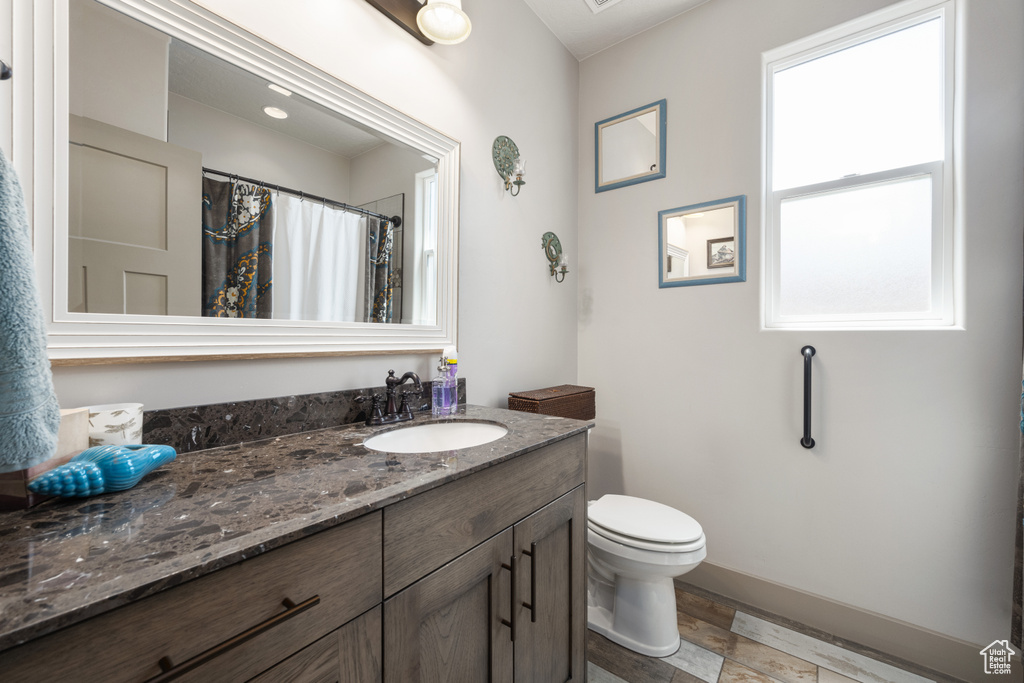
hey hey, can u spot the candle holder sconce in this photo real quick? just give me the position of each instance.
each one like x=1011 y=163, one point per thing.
x=557 y=262
x=509 y=164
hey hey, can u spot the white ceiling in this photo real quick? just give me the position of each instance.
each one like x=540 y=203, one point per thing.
x=200 y=76
x=586 y=33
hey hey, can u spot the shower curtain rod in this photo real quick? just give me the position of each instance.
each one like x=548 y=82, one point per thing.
x=394 y=220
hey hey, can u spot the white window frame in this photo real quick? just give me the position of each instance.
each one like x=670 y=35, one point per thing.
x=425 y=246
x=947 y=297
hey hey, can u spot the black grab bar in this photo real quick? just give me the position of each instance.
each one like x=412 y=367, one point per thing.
x=807 y=441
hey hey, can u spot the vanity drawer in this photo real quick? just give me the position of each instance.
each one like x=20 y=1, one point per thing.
x=341 y=566
x=430 y=529
x=352 y=654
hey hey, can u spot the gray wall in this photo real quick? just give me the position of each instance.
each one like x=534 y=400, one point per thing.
x=905 y=507
x=517 y=326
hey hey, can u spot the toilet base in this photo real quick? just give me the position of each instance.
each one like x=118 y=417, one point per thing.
x=642 y=618
x=599 y=620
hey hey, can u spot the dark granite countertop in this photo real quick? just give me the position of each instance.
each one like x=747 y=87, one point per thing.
x=69 y=559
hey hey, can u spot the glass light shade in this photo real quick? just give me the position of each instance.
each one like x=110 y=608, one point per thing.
x=519 y=168
x=443 y=21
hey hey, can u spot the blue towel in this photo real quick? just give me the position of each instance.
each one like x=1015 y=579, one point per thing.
x=29 y=413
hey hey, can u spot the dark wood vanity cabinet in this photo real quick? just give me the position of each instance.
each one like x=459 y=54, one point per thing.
x=351 y=653
x=463 y=565
x=512 y=606
x=330 y=579
x=551 y=594
x=447 y=626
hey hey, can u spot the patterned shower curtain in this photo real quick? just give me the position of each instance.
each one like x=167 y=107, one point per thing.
x=237 y=250
x=381 y=276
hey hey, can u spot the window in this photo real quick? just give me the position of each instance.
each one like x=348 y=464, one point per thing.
x=425 y=244
x=858 y=192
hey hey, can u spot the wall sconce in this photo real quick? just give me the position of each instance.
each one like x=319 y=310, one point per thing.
x=509 y=164
x=557 y=262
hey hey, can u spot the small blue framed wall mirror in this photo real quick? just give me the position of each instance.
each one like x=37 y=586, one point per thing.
x=630 y=148
x=703 y=244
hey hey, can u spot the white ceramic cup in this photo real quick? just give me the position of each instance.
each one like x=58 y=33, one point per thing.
x=115 y=424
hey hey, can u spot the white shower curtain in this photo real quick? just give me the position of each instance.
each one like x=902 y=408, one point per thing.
x=316 y=260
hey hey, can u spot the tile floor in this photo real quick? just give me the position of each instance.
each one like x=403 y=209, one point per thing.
x=721 y=644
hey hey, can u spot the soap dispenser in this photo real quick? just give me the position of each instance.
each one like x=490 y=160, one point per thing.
x=440 y=403
x=451 y=357
x=444 y=387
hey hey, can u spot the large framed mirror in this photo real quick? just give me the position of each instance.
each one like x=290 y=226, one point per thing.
x=215 y=197
x=703 y=244
x=630 y=148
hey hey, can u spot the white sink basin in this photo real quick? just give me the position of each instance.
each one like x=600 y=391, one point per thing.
x=434 y=437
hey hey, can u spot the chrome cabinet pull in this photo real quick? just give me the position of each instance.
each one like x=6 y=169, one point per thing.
x=532 y=554
x=170 y=671
x=807 y=352
x=511 y=621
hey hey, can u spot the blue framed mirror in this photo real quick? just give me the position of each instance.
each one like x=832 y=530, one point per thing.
x=630 y=148
x=703 y=244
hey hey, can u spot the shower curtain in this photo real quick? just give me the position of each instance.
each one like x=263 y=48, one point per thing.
x=381 y=276
x=237 y=252
x=316 y=261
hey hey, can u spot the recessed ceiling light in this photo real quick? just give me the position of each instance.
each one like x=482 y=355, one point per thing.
x=275 y=113
x=276 y=88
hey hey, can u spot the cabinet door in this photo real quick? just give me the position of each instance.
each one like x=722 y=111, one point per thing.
x=448 y=626
x=350 y=654
x=551 y=592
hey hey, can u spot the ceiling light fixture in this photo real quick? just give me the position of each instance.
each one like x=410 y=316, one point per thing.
x=275 y=112
x=278 y=89
x=443 y=21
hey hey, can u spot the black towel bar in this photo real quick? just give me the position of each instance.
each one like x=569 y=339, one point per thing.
x=807 y=352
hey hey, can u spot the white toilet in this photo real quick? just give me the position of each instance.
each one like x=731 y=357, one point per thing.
x=635 y=548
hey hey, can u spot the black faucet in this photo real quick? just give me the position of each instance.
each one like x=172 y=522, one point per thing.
x=402 y=411
x=394 y=412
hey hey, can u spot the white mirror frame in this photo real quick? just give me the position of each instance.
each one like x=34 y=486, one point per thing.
x=41 y=156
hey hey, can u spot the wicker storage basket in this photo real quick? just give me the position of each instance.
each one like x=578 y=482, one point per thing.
x=566 y=400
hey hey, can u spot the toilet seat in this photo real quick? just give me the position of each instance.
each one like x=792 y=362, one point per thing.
x=635 y=521
x=641 y=544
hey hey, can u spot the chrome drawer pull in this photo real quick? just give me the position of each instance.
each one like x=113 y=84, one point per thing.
x=170 y=671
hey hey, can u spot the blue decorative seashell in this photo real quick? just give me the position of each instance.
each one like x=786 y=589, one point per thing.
x=102 y=469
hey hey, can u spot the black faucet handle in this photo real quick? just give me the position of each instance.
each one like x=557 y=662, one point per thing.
x=405 y=408
x=375 y=414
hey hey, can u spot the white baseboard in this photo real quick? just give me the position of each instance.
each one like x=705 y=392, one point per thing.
x=935 y=652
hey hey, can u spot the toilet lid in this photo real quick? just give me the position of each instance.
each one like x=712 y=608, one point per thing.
x=643 y=519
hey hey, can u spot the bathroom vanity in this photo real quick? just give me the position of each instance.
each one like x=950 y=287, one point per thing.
x=312 y=558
